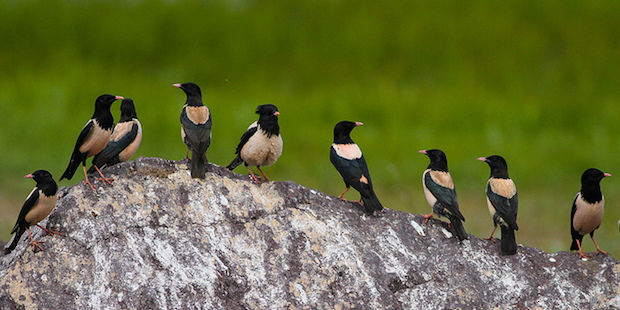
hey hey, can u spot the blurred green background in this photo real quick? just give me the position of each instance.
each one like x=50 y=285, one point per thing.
x=534 y=81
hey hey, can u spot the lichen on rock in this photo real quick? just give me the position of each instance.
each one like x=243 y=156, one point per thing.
x=159 y=239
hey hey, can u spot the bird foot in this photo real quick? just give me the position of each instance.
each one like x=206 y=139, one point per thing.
x=256 y=179
x=90 y=184
x=491 y=238
x=599 y=251
x=584 y=255
x=106 y=180
x=427 y=217
x=50 y=231
x=36 y=244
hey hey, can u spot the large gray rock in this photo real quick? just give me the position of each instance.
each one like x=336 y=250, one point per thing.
x=161 y=240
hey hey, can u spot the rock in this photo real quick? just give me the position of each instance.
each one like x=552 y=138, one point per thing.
x=159 y=239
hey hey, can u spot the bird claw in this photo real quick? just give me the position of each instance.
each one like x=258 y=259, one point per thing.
x=106 y=180
x=599 y=251
x=50 y=231
x=90 y=184
x=491 y=238
x=36 y=244
x=427 y=217
x=584 y=255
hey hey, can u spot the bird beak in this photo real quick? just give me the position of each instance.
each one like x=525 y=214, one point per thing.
x=422 y=152
x=119 y=97
x=30 y=176
x=177 y=85
x=359 y=123
x=607 y=174
x=481 y=158
x=276 y=113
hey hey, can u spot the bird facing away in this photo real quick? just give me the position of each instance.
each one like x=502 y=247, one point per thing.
x=502 y=202
x=587 y=212
x=261 y=144
x=195 y=128
x=37 y=206
x=440 y=193
x=93 y=137
x=123 y=142
x=348 y=159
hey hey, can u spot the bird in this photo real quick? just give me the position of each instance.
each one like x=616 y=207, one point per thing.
x=123 y=142
x=347 y=158
x=195 y=128
x=503 y=202
x=587 y=211
x=93 y=137
x=261 y=144
x=440 y=193
x=37 y=206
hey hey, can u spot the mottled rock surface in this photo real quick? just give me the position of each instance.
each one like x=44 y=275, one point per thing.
x=161 y=240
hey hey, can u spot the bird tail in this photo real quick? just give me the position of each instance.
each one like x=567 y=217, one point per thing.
x=73 y=165
x=199 y=165
x=508 y=242
x=458 y=227
x=18 y=234
x=235 y=162
x=371 y=204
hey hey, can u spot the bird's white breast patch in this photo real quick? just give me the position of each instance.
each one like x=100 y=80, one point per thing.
x=132 y=148
x=261 y=150
x=587 y=216
x=41 y=209
x=348 y=151
x=198 y=115
x=503 y=187
x=96 y=140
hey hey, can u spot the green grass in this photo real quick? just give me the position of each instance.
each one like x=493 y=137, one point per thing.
x=533 y=81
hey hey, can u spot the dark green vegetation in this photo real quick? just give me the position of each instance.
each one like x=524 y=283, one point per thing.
x=536 y=82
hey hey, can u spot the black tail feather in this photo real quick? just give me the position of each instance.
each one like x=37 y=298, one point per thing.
x=508 y=242
x=235 y=162
x=18 y=235
x=199 y=165
x=371 y=204
x=73 y=165
x=458 y=228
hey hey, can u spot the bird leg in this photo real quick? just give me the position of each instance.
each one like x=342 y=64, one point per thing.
x=345 y=191
x=50 y=231
x=261 y=172
x=428 y=216
x=86 y=179
x=254 y=178
x=34 y=243
x=103 y=178
x=584 y=255
x=491 y=236
x=598 y=250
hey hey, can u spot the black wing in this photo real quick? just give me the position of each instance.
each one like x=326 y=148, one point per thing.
x=506 y=207
x=446 y=196
x=113 y=148
x=244 y=139
x=30 y=202
x=352 y=171
x=199 y=135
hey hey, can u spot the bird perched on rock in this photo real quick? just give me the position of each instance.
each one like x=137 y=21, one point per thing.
x=348 y=159
x=440 y=193
x=503 y=202
x=37 y=206
x=195 y=128
x=587 y=212
x=93 y=137
x=261 y=144
x=123 y=142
